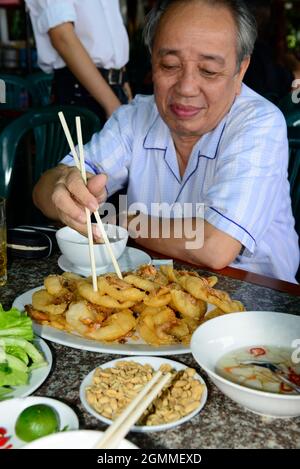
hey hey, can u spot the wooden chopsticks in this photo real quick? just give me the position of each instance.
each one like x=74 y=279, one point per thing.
x=81 y=166
x=87 y=212
x=117 y=430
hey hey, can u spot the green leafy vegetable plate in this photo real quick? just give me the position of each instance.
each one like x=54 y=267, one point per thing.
x=36 y=376
x=25 y=361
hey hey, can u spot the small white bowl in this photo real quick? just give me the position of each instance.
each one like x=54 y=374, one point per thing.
x=216 y=337
x=10 y=410
x=75 y=247
x=79 y=439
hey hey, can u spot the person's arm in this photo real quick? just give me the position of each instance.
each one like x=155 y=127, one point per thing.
x=201 y=243
x=77 y=59
x=127 y=90
x=62 y=195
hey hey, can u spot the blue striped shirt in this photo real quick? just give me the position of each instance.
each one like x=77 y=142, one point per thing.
x=238 y=170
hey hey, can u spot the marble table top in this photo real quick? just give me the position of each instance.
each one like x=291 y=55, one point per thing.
x=221 y=424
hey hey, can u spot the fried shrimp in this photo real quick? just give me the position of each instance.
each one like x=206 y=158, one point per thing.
x=160 y=306
x=43 y=301
x=149 y=272
x=87 y=292
x=197 y=285
x=141 y=283
x=115 y=327
x=155 y=328
x=54 y=285
x=119 y=289
x=80 y=317
x=187 y=305
x=169 y=272
x=158 y=298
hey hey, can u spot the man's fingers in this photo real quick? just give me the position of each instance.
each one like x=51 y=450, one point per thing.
x=80 y=227
x=66 y=204
x=96 y=185
x=77 y=188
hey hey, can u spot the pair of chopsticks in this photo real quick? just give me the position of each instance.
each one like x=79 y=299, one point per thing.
x=81 y=166
x=116 y=432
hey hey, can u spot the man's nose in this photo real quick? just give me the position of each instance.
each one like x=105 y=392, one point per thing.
x=188 y=83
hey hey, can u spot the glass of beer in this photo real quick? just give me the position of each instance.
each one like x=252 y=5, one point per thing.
x=3 y=256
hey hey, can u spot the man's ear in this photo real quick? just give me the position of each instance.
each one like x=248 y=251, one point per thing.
x=240 y=75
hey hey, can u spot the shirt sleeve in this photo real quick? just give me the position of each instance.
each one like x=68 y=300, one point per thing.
x=110 y=150
x=51 y=13
x=250 y=173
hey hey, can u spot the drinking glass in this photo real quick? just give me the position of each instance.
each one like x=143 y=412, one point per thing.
x=3 y=254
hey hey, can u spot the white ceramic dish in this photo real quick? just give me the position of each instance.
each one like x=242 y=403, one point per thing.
x=130 y=260
x=223 y=334
x=155 y=362
x=80 y=439
x=11 y=409
x=75 y=247
x=71 y=340
x=37 y=376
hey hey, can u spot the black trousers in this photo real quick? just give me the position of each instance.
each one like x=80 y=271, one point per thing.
x=66 y=89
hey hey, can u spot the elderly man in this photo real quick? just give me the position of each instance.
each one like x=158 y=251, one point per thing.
x=203 y=138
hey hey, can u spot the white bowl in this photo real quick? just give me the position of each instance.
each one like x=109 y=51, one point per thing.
x=155 y=362
x=79 y=439
x=223 y=334
x=75 y=247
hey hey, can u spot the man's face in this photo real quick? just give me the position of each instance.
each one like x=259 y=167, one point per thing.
x=194 y=68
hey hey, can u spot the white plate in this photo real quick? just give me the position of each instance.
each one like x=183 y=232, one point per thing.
x=37 y=376
x=155 y=362
x=11 y=409
x=71 y=340
x=80 y=439
x=130 y=259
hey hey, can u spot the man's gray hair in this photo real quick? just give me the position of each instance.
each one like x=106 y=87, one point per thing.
x=243 y=17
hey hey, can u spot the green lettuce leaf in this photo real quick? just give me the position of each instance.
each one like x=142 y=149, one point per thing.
x=14 y=378
x=15 y=323
x=18 y=352
x=36 y=357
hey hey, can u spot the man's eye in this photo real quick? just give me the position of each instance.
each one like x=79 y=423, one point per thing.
x=170 y=66
x=208 y=73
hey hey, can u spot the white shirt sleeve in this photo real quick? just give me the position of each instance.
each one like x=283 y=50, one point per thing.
x=51 y=13
x=250 y=173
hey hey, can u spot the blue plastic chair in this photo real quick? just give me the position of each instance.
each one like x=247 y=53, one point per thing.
x=47 y=144
x=16 y=93
x=40 y=85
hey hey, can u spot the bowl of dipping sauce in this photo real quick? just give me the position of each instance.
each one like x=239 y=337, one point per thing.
x=223 y=345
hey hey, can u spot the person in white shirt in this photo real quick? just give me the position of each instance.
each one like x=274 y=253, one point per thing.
x=86 y=45
x=203 y=138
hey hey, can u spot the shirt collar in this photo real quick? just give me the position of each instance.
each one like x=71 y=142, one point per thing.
x=158 y=138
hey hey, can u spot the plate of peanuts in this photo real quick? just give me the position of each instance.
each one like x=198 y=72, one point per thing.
x=108 y=389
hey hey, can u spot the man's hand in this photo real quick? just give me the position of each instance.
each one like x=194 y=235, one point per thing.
x=71 y=197
x=62 y=195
